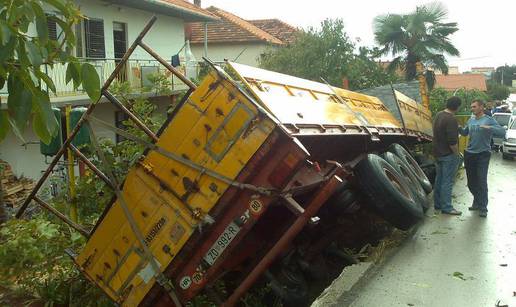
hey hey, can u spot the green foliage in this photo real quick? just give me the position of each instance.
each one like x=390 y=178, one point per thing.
x=420 y=36
x=32 y=260
x=23 y=54
x=328 y=53
x=497 y=91
x=33 y=264
x=507 y=72
x=161 y=84
x=438 y=97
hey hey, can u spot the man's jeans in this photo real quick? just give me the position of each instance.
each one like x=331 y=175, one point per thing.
x=476 y=165
x=446 y=169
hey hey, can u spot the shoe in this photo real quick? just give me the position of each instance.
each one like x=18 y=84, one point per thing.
x=483 y=214
x=473 y=208
x=452 y=212
x=437 y=208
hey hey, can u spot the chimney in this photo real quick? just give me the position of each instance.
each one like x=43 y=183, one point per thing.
x=197 y=3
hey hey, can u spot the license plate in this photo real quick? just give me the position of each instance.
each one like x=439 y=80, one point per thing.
x=222 y=243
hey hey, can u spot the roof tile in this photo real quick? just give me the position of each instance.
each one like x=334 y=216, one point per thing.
x=231 y=29
x=190 y=7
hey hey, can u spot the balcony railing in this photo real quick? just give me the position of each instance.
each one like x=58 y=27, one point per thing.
x=136 y=73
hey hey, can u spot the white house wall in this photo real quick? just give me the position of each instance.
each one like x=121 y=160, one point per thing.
x=166 y=37
x=219 y=52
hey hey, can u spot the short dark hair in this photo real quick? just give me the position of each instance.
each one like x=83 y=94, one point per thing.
x=480 y=102
x=453 y=103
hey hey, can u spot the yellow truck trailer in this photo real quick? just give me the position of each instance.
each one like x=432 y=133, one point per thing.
x=241 y=146
x=249 y=178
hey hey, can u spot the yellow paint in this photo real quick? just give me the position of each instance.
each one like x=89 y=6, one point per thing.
x=416 y=116
x=297 y=101
x=463 y=140
x=210 y=130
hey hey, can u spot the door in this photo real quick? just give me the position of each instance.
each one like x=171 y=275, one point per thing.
x=120 y=46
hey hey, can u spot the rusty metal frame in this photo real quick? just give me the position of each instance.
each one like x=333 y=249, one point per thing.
x=110 y=178
x=303 y=217
x=104 y=92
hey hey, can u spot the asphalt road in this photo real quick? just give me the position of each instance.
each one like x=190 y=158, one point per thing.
x=454 y=261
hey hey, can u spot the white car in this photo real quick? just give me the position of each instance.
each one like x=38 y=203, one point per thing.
x=509 y=142
x=503 y=119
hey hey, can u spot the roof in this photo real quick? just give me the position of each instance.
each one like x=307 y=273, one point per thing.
x=176 y=8
x=233 y=29
x=467 y=81
x=282 y=30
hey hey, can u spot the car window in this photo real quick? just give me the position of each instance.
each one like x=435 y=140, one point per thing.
x=513 y=126
x=503 y=120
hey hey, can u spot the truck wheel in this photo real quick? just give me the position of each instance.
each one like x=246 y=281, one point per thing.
x=342 y=201
x=389 y=193
x=407 y=173
x=401 y=152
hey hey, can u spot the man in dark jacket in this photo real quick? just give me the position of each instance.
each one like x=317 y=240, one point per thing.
x=445 y=128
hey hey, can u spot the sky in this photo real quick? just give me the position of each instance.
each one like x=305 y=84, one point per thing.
x=486 y=35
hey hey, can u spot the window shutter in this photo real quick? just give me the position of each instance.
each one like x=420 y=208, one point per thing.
x=94 y=34
x=52 y=28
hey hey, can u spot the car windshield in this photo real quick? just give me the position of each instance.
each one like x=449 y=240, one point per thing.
x=503 y=120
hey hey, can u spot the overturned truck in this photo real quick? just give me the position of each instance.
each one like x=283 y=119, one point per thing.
x=247 y=181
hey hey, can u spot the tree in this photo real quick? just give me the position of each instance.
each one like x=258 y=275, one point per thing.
x=420 y=36
x=329 y=53
x=497 y=91
x=506 y=74
x=416 y=40
x=25 y=47
x=438 y=97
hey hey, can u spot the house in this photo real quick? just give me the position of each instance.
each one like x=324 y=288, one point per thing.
x=452 y=70
x=237 y=39
x=461 y=81
x=103 y=37
x=487 y=71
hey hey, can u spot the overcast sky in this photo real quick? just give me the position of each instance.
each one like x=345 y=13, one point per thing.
x=486 y=35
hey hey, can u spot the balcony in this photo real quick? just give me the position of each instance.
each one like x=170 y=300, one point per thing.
x=136 y=72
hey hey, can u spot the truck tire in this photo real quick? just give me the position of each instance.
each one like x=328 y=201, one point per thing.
x=401 y=152
x=407 y=173
x=389 y=193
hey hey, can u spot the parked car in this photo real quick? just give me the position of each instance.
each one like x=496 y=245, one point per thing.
x=509 y=142
x=504 y=120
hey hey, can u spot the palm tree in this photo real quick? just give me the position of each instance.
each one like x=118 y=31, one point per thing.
x=416 y=40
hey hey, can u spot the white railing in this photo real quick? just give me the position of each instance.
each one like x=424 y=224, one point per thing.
x=136 y=72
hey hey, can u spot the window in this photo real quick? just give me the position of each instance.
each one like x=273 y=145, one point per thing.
x=94 y=44
x=52 y=28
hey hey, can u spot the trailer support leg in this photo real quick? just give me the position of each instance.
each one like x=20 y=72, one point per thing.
x=311 y=209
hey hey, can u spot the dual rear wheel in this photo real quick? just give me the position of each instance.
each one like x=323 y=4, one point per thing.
x=395 y=186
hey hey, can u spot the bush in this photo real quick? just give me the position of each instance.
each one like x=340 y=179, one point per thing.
x=438 y=97
x=32 y=260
